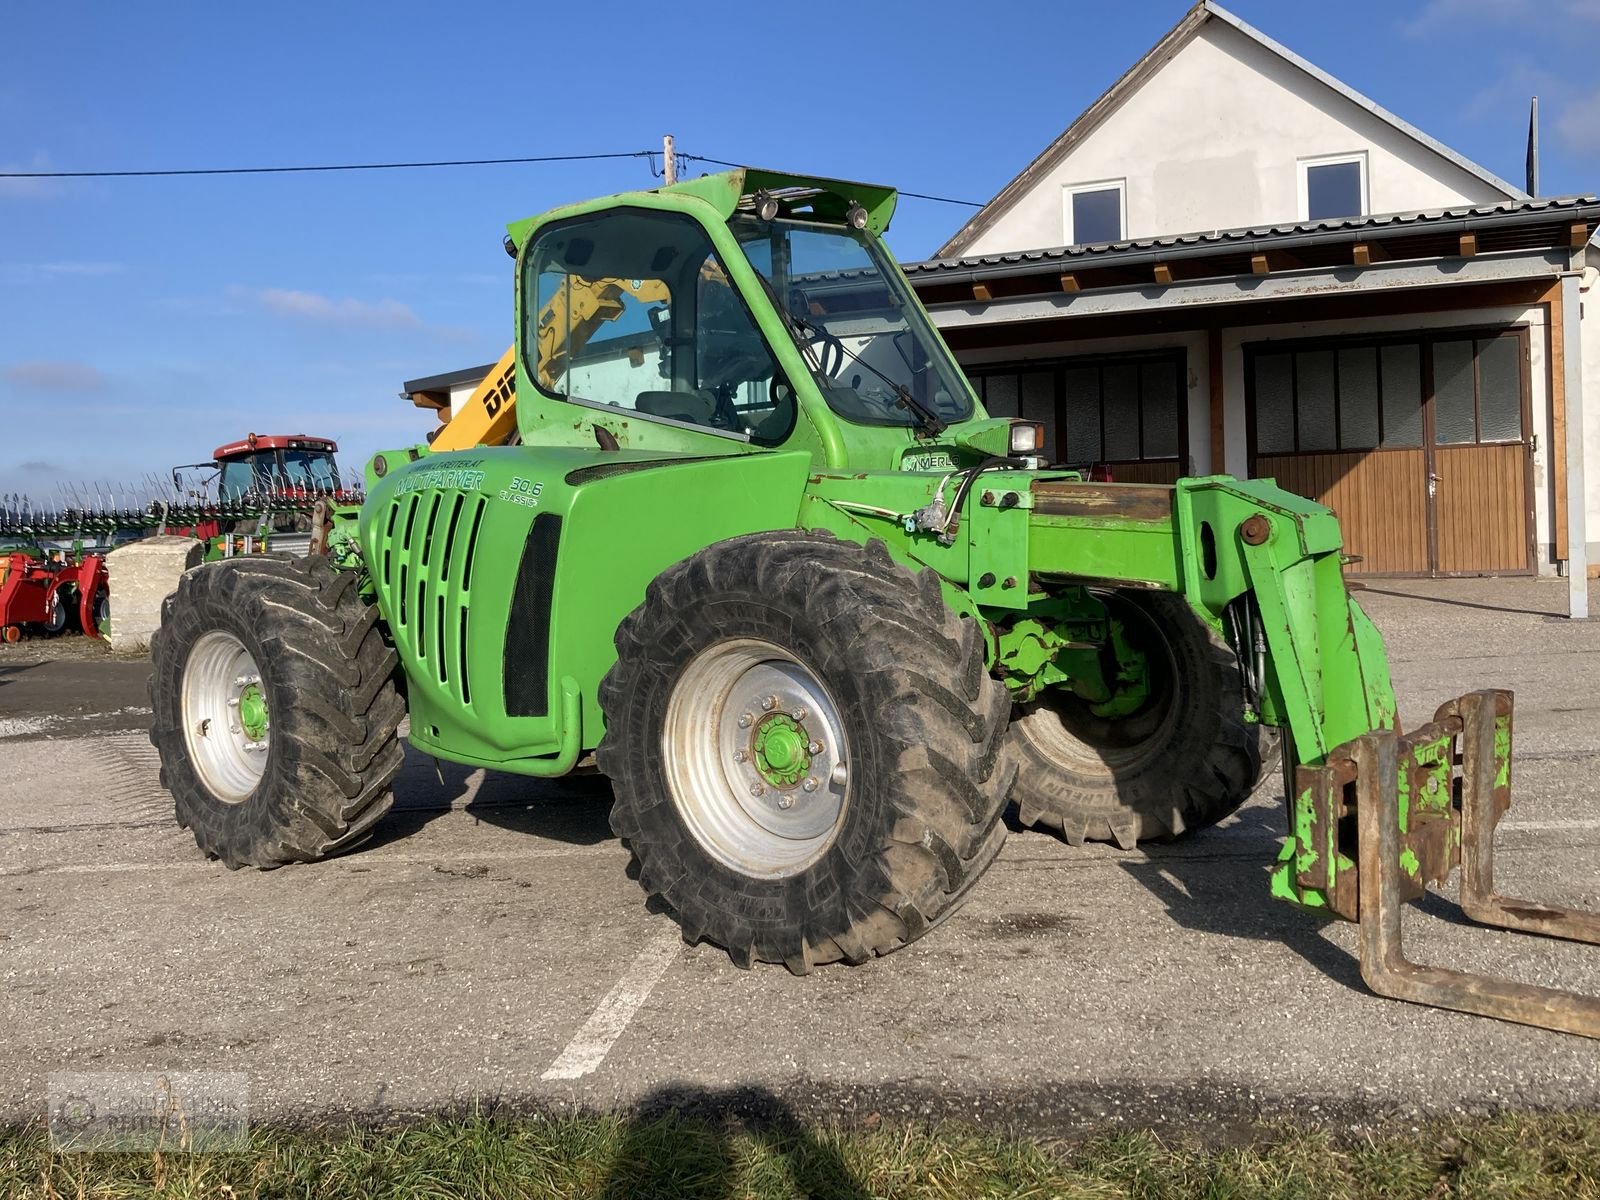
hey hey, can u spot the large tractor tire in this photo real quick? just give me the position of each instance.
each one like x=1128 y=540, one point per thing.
x=1183 y=760
x=276 y=712
x=806 y=751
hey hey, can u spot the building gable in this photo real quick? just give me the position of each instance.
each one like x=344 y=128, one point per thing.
x=1209 y=131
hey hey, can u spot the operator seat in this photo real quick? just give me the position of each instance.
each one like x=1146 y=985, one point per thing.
x=696 y=407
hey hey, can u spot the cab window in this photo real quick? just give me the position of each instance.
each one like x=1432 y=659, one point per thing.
x=632 y=309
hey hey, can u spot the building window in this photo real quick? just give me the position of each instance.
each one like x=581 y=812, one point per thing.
x=1126 y=408
x=1095 y=213
x=1333 y=187
x=1346 y=395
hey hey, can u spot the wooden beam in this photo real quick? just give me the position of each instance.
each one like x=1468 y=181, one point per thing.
x=1578 y=235
x=1163 y=273
x=1556 y=382
x=1364 y=254
x=1469 y=245
x=1269 y=261
x=981 y=292
x=1069 y=283
x=1219 y=448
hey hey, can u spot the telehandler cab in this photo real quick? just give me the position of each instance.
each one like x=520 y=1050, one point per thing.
x=757 y=545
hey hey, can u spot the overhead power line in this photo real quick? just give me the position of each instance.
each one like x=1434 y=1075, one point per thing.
x=390 y=166
x=651 y=155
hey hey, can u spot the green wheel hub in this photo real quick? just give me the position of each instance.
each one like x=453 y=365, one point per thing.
x=253 y=712
x=781 y=750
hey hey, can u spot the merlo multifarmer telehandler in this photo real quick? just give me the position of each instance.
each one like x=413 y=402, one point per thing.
x=757 y=546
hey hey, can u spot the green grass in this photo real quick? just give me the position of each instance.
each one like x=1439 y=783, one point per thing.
x=1555 y=1155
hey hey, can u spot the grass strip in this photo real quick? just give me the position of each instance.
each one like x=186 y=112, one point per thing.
x=1553 y=1155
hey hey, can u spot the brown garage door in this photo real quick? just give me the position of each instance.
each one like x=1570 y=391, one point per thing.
x=1125 y=410
x=1420 y=444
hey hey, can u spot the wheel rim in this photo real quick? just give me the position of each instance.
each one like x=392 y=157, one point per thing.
x=756 y=758
x=1071 y=733
x=226 y=721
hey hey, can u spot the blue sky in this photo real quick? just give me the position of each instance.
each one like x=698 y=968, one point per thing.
x=145 y=321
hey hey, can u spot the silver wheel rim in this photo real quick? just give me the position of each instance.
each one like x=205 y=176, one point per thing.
x=734 y=697
x=216 y=677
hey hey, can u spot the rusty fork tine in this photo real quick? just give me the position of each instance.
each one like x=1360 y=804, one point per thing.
x=1384 y=965
x=1483 y=799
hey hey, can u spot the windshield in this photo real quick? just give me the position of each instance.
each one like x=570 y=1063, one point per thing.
x=852 y=315
x=309 y=469
x=243 y=475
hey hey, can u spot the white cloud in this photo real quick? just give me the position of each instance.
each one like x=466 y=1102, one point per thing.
x=1439 y=15
x=42 y=376
x=382 y=314
x=50 y=271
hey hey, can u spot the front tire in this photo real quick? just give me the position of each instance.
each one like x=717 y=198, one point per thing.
x=1183 y=761
x=806 y=750
x=276 y=714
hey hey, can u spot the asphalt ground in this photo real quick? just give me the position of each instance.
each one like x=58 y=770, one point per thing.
x=487 y=946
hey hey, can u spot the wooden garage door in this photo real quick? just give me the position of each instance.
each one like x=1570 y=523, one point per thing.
x=1420 y=445
x=1126 y=411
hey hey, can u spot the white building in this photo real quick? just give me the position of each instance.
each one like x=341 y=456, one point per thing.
x=1234 y=262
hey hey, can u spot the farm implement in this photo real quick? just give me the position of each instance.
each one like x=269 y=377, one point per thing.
x=50 y=592
x=731 y=518
x=256 y=494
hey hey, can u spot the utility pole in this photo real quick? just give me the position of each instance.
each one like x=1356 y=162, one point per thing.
x=669 y=160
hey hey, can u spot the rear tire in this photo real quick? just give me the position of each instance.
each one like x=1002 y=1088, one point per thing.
x=857 y=645
x=276 y=713
x=1184 y=762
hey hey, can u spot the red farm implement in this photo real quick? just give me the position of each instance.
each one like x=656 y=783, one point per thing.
x=46 y=594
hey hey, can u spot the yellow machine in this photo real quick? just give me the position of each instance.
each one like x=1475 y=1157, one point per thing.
x=489 y=417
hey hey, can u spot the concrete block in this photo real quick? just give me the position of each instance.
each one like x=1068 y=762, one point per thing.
x=141 y=575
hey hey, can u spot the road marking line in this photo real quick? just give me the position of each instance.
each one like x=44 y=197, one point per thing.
x=590 y=1045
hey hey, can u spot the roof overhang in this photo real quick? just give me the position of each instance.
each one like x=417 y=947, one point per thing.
x=1515 y=239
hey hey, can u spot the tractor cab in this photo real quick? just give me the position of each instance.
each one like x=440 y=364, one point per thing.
x=292 y=463
x=259 y=464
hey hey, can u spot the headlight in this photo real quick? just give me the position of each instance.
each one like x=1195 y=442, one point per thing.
x=1026 y=438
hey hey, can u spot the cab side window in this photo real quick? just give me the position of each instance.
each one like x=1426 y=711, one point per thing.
x=632 y=309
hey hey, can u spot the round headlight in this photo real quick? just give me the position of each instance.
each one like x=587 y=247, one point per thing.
x=857 y=216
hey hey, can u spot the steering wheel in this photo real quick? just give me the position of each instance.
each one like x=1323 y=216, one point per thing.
x=827 y=347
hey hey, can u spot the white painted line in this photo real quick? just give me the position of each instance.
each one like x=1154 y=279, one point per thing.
x=590 y=1045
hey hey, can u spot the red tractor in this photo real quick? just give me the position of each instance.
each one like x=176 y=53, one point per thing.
x=48 y=592
x=290 y=470
x=264 y=464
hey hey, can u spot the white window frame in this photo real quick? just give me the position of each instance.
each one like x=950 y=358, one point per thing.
x=1302 y=179
x=1102 y=185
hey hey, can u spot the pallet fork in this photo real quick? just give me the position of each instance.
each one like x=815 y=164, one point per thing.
x=1387 y=814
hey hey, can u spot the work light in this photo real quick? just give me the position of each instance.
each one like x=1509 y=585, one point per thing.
x=1026 y=438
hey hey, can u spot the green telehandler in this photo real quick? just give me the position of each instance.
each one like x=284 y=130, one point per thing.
x=757 y=546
